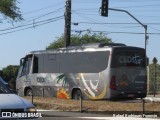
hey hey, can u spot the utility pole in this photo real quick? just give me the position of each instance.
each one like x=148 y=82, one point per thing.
x=67 y=29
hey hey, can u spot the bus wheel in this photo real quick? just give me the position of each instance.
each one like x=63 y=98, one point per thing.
x=77 y=94
x=28 y=92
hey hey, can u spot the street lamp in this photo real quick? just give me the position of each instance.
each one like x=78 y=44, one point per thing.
x=143 y=25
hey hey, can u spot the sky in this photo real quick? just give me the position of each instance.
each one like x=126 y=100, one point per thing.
x=44 y=22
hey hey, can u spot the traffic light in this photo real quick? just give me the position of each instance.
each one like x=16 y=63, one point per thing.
x=104 y=8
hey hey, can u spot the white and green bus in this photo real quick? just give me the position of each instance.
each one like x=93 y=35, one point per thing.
x=93 y=71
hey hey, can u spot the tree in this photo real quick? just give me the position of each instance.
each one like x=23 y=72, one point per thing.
x=9 y=9
x=80 y=39
x=10 y=75
x=154 y=76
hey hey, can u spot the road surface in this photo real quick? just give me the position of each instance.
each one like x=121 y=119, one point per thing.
x=50 y=115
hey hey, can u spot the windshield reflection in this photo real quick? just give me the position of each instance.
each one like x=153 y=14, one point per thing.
x=3 y=89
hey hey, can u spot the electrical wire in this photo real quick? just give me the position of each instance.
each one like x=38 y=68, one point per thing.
x=43 y=8
x=116 y=23
x=83 y=11
x=40 y=23
x=31 y=23
x=109 y=32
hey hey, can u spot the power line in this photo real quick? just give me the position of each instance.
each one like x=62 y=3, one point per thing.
x=46 y=14
x=154 y=28
x=44 y=8
x=42 y=15
x=116 y=23
x=109 y=32
x=140 y=6
x=31 y=23
x=100 y=23
x=126 y=24
x=35 y=25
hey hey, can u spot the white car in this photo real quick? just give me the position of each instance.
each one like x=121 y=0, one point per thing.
x=12 y=105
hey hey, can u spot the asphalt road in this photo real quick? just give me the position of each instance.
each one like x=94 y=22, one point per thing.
x=106 y=118
x=52 y=115
x=71 y=118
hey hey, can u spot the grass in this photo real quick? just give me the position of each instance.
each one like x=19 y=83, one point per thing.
x=57 y=104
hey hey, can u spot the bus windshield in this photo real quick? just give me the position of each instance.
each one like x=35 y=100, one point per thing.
x=128 y=57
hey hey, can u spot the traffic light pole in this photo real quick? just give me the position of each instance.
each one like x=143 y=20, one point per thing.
x=143 y=25
x=67 y=29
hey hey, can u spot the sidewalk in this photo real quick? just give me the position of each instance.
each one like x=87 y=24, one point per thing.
x=152 y=99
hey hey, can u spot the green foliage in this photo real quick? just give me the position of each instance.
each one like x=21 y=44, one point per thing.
x=10 y=74
x=9 y=9
x=80 y=39
x=154 y=77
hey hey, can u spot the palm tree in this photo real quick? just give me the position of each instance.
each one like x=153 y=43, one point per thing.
x=64 y=80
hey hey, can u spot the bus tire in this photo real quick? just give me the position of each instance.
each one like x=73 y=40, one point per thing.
x=77 y=94
x=28 y=92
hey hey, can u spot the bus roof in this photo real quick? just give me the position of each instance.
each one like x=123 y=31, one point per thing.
x=86 y=47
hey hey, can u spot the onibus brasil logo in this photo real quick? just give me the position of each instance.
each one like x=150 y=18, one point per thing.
x=20 y=115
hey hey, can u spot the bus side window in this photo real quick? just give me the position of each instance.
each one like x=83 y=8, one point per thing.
x=35 y=64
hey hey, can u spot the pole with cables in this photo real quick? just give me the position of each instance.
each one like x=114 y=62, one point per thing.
x=67 y=29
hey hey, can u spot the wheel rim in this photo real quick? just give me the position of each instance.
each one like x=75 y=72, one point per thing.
x=29 y=92
x=77 y=95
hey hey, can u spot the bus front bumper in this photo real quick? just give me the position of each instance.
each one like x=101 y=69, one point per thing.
x=129 y=94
